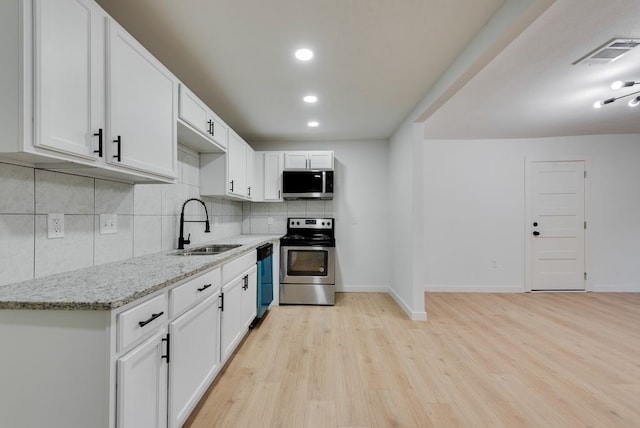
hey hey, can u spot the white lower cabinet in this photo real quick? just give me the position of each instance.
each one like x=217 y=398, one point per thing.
x=195 y=357
x=143 y=365
x=239 y=306
x=142 y=385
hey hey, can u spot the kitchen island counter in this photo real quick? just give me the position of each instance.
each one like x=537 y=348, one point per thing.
x=112 y=285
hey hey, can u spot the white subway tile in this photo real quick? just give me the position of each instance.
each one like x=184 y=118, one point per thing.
x=115 y=246
x=74 y=251
x=63 y=193
x=17 y=189
x=16 y=251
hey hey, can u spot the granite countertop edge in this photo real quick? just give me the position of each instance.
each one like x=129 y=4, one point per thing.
x=116 y=284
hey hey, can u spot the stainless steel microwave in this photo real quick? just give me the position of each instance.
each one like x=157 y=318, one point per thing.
x=307 y=184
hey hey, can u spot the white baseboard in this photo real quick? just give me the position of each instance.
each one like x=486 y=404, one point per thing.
x=362 y=289
x=615 y=288
x=413 y=315
x=474 y=288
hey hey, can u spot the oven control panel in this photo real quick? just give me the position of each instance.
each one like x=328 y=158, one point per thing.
x=310 y=223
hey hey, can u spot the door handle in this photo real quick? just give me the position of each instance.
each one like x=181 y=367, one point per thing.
x=536 y=233
x=99 y=135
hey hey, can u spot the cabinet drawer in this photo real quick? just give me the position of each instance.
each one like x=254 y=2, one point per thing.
x=141 y=320
x=236 y=267
x=195 y=290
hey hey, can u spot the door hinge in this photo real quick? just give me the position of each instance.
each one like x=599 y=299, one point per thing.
x=585 y=174
x=585 y=225
x=168 y=354
x=585 y=276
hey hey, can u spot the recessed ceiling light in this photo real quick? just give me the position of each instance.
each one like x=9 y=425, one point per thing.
x=313 y=124
x=310 y=99
x=304 y=54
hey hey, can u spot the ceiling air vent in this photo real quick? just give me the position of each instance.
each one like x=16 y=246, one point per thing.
x=609 y=52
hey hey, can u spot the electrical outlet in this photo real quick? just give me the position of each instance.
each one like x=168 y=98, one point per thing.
x=55 y=226
x=108 y=224
x=354 y=220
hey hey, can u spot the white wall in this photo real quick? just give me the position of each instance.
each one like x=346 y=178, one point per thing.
x=474 y=195
x=361 y=192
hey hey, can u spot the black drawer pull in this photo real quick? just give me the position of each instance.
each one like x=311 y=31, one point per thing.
x=153 y=317
x=204 y=287
x=221 y=307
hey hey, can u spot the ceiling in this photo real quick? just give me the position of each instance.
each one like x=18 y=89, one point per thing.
x=374 y=59
x=531 y=88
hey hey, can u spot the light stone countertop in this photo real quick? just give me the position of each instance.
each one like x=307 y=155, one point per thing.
x=113 y=285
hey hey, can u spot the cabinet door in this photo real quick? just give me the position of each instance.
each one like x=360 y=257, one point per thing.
x=249 y=168
x=237 y=163
x=250 y=297
x=272 y=176
x=195 y=357
x=69 y=85
x=295 y=160
x=219 y=130
x=321 y=160
x=142 y=108
x=193 y=111
x=231 y=330
x=142 y=386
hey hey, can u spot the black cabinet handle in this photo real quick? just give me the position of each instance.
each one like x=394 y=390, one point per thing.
x=221 y=307
x=119 y=141
x=204 y=287
x=536 y=233
x=246 y=282
x=249 y=190
x=210 y=122
x=213 y=128
x=99 y=135
x=232 y=185
x=153 y=317
x=168 y=356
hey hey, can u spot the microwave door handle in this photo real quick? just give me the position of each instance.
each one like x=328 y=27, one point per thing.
x=324 y=181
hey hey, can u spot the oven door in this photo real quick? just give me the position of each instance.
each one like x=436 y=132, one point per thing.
x=307 y=265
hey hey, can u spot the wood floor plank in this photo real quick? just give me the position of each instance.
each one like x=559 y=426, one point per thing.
x=495 y=360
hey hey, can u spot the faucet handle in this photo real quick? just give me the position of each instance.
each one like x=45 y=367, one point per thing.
x=188 y=240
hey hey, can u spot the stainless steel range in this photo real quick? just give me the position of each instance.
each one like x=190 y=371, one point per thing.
x=307 y=262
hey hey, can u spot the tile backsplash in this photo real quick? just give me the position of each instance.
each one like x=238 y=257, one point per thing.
x=271 y=217
x=147 y=218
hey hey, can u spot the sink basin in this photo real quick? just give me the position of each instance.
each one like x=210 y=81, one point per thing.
x=207 y=250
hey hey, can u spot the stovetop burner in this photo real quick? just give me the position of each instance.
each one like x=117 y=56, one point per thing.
x=309 y=231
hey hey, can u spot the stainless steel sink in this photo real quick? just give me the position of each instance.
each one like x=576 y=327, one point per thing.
x=207 y=250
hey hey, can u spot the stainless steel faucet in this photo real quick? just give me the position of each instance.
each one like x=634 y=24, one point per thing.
x=181 y=241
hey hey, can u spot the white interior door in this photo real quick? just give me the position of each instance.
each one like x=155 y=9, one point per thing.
x=557 y=229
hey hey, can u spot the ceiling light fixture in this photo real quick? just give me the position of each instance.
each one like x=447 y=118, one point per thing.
x=304 y=54
x=619 y=84
x=313 y=124
x=310 y=99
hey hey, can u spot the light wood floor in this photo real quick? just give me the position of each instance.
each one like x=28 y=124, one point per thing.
x=494 y=360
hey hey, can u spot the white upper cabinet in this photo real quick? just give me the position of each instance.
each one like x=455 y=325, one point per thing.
x=250 y=176
x=199 y=127
x=322 y=160
x=142 y=107
x=237 y=162
x=228 y=174
x=69 y=77
x=73 y=81
x=267 y=177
